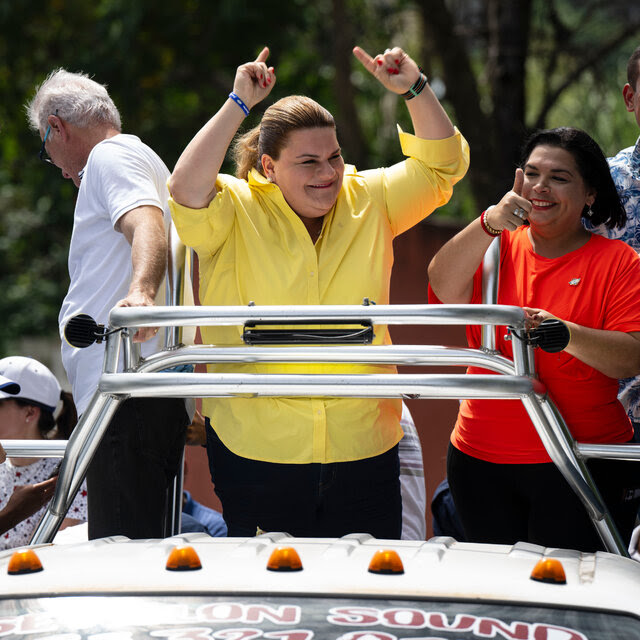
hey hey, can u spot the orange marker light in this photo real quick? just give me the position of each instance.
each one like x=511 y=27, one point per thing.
x=284 y=559
x=549 y=570
x=183 y=558
x=24 y=561
x=387 y=562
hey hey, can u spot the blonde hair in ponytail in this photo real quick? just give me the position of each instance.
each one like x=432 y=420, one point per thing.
x=270 y=136
x=245 y=153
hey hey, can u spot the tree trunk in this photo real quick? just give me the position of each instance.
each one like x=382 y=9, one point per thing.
x=508 y=43
x=463 y=93
x=351 y=139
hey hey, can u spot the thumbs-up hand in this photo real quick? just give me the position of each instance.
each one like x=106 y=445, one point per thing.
x=513 y=210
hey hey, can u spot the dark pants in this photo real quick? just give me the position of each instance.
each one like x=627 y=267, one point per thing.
x=307 y=500
x=134 y=466
x=505 y=503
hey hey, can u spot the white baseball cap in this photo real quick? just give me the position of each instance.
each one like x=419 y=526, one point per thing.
x=37 y=383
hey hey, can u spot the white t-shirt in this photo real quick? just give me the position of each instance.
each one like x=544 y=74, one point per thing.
x=12 y=477
x=122 y=173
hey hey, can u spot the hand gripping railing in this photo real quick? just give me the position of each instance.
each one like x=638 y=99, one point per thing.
x=145 y=379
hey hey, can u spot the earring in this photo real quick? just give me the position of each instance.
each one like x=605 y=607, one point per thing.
x=589 y=212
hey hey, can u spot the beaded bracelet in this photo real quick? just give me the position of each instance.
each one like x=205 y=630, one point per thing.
x=239 y=102
x=417 y=87
x=486 y=227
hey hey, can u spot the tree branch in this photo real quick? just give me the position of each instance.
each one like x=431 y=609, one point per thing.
x=588 y=61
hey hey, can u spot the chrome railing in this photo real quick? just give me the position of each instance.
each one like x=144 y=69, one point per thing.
x=516 y=380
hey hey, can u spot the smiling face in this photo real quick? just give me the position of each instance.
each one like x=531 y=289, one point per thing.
x=309 y=171
x=556 y=189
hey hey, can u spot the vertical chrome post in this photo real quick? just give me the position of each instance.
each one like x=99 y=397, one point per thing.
x=173 y=520
x=112 y=352
x=490 y=283
x=174 y=284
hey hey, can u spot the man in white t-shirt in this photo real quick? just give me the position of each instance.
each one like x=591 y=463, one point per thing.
x=117 y=256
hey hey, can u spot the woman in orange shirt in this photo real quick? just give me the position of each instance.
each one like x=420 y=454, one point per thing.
x=503 y=483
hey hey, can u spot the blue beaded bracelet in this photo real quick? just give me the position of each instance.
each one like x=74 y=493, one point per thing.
x=239 y=102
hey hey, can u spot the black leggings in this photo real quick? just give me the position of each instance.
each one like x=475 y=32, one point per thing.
x=307 y=500
x=505 y=503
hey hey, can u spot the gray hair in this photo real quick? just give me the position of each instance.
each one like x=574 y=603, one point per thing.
x=75 y=98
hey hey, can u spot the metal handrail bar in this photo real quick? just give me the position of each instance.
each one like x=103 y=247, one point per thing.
x=393 y=385
x=409 y=355
x=56 y=449
x=414 y=314
x=34 y=448
x=609 y=451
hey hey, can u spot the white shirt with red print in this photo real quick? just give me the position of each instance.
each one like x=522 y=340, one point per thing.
x=11 y=477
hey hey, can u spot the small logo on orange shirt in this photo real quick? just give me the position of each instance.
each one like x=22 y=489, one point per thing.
x=575 y=282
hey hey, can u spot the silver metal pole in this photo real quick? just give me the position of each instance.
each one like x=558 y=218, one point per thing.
x=444 y=314
x=34 y=448
x=174 y=284
x=376 y=354
x=490 y=285
x=197 y=385
x=173 y=521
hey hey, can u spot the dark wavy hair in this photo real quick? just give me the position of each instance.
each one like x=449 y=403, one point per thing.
x=593 y=167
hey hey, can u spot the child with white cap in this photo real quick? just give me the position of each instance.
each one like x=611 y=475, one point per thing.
x=31 y=414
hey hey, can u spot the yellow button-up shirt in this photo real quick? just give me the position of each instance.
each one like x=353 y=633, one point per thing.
x=253 y=247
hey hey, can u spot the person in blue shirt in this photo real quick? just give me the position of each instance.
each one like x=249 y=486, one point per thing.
x=625 y=171
x=197 y=517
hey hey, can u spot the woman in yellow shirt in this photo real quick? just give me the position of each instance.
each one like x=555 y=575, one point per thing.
x=297 y=226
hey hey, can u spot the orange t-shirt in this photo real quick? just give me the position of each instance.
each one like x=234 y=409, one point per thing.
x=596 y=286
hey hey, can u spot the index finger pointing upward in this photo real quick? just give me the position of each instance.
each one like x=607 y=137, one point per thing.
x=264 y=54
x=365 y=59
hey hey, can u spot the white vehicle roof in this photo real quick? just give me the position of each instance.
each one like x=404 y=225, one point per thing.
x=439 y=568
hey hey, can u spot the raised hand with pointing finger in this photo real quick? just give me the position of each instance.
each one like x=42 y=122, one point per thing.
x=254 y=80
x=394 y=69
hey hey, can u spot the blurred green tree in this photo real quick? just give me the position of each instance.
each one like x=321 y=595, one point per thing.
x=502 y=68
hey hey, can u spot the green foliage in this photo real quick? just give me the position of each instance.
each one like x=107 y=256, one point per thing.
x=170 y=65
